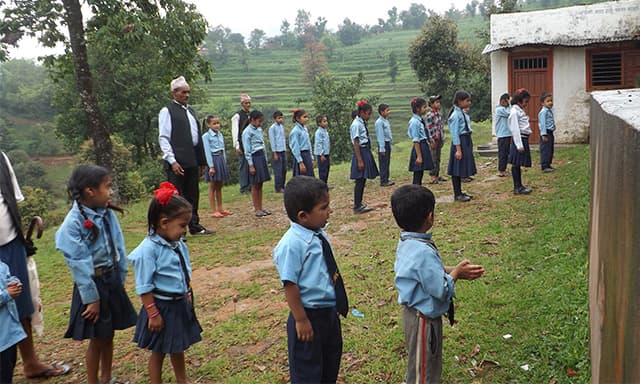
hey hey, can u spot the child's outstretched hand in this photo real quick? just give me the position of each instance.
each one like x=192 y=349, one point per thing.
x=467 y=271
x=92 y=313
x=155 y=324
x=14 y=289
x=304 y=330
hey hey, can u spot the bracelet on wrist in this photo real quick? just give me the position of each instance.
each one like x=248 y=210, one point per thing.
x=149 y=306
x=154 y=314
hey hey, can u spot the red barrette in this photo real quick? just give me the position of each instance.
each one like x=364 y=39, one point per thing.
x=414 y=100
x=88 y=224
x=294 y=110
x=361 y=103
x=520 y=91
x=165 y=192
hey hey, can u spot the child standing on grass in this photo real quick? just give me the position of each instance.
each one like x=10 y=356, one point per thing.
x=420 y=154
x=519 y=152
x=300 y=144
x=435 y=127
x=312 y=283
x=363 y=166
x=217 y=171
x=503 y=133
x=322 y=147
x=461 y=162
x=385 y=141
x=547 y=127
x=425 y=286
x=11 y=331
x=92 y=244
x=167 y=321
x=278 y=151
x=253 y=143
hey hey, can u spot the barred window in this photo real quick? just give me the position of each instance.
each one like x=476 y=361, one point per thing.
x=606 y=69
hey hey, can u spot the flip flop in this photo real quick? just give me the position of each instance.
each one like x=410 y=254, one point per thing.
x=51 y=372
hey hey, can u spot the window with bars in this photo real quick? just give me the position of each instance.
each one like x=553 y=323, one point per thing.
x=606 y=69
x=524 y=63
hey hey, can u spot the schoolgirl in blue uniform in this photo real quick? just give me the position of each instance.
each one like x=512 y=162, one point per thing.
x=93 y=247
x=217 y=170
x=363 y=166
x=503 y=134
x=461 y=161
x=420 y=153
x=11 y=332
x=300 y=144
x=547 y=126
x=519 y=153
x=167 y=322
x=322 y=147
x=253 y=142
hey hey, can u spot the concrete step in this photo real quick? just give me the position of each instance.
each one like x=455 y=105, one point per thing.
x=491 y=149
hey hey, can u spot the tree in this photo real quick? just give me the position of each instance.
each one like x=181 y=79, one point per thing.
x=286 y=39
x=256 y=38
x=393 y=66
x=217 y=43
x=314 y=60
x=25 y=89
x=302 y=23
x=471 y=7
x=392 y=22
x=414 y=17
x=350 y=33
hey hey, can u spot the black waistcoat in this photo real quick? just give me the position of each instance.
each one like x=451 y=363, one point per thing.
x=186 y=154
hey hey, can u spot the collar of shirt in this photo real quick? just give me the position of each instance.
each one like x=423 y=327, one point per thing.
x=162 y=241
x=99 y=213
x=406 y=235
x=184 y=106
x=306 y=234
x=417 y=117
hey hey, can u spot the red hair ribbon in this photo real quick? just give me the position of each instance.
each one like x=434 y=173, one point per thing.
x=361 y=103
x=294 y=110
x=165 y=192
x=88 y=224
x=414 y=100
x=520 y=91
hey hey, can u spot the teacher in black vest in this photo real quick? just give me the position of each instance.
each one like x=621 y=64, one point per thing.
x=238 y=123
x=182 y=149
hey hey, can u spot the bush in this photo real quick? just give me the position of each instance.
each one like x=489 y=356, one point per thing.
x=37 y=202
x=28 y=172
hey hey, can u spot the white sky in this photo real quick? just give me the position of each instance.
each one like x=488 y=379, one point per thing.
x=243 y=16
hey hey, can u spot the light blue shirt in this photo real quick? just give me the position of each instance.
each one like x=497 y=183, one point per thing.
x=83 y=255
x=416 y=130
x=252 y=142
x=421 y=279
x=299 y=259
x=11 y=331
x=459 y=124
x=545 y=121
x=156 y=265
x=213 y=142
x=322 y=142
x=502 y=128
x=299 y=141
x=383 y=133
x=276 y=138
x=358 y=130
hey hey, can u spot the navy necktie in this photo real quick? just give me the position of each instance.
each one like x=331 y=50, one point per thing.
x=342 y=304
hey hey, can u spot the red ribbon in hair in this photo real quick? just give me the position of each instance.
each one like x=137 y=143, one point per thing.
x=520 y=91
x=414 y=100
x=361 y=103
x=294 y=110
x=165 y=192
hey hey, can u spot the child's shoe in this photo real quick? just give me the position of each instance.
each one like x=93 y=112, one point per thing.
x=226 y=212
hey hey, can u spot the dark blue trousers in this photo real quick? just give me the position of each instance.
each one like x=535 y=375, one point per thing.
x=8 y=363
x=546 y=151
x=279 y=170
x=504 y=143
x=243 y=174
x=323 y=168
x=384 y=162
x=319 y=360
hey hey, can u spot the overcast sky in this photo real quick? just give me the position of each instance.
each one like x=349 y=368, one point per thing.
x=243 y=16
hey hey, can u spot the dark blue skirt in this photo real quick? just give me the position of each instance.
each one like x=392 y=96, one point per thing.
x=262 y=169
x=370 y=170
x=308 y=163
x=518 y=159
x=15 y=256
x=427 y=161
x=467 y=166
x=116 y=310
x=222 y=171
x=181 y=327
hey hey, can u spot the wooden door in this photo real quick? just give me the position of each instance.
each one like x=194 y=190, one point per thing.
x=531 y=71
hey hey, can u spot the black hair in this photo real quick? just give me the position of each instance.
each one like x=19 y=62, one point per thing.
x=253 y=115
x=544 y=96
x=505 y=96
x=364 y=106
x=417 y=103
x=177 y=206
x=302 y=193
x=277 y=114
x=297 y=113
x=354 y=113
x=87 y=176
x=411 y=204
x=205 y=121
x=319 y=118
x=382 y=107
x=458 y=97
x=519 y=96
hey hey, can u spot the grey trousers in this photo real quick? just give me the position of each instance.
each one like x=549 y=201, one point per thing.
x=423 y=339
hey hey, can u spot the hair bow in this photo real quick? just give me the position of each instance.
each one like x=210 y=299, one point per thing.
x=88 y=224
x=414 y=100
x=520 y=91
x=294 y=110
x=165 y=192
x=362 y=103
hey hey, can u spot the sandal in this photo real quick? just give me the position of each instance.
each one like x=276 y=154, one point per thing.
x=266 y=211
x=226 y=213
x=52 y=372
x=261 y=213
x=434 y=181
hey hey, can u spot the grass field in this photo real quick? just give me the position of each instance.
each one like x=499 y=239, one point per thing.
x=534 y=249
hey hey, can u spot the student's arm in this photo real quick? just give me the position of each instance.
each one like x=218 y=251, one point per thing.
x=235 y=133
x=542 y=123
x=304 y=330
x=155 y=322
x=246 y=143
x=356 y=150
x=465 y=271
x=514 y=127
x=454 y=131
x=380 y=136
x=207 y=150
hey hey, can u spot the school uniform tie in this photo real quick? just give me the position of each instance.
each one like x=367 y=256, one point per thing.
x=342 y=303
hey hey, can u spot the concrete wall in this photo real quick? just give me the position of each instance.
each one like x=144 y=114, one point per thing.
x=570 y=99
x=499 y=81
x=614 y=249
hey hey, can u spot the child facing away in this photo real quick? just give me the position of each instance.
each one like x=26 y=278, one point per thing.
x=503 y=133
x=420 y=154
x=385 y=142
x=547 y=127
x=363 y=166
x=461 y=162
x=519 y=152
x=217 y=170
x=254 y=152
x=435 y=127
x=11 y=332
x=278 y=144
x=92 y=244
x=425 y=286
x=312 y=284
x=167 y=322
x=300 y=144
x=322 y=147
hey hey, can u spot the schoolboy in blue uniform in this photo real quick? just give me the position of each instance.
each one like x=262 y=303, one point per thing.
x=503 y=133
x=322 y=148
x=424 y=284
x=11 y=331
x=278 y=144
x=547 y=127
x=385 y=141
x=312 y=284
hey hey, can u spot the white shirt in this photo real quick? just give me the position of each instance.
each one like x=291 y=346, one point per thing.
x=518 y=122
x=7 y=230
x=164 y=137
